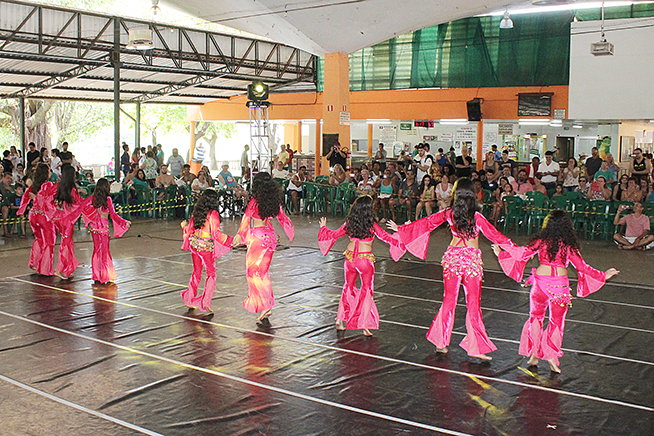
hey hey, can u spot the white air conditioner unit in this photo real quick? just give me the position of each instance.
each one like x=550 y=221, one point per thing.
x=602 y=48
x=140 y=39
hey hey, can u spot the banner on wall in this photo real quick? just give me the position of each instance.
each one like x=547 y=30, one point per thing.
x=387 y=134
x=446 y=137
x=505 y=129
x=466 y=133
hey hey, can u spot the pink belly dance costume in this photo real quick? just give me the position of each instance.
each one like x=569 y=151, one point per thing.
x=40 y=218
x=548 y=291
x=357 y=307
x=206 y=245
x=261 y=242
x=461 y=265
x=64 y=221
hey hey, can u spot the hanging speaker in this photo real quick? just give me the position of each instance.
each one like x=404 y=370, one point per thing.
x=474 y=110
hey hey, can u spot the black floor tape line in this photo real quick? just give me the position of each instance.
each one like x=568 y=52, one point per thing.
x=343 y=350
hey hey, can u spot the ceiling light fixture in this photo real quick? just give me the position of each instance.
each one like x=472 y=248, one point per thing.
x=507 y=22
x=454 y=122
x=155 y=7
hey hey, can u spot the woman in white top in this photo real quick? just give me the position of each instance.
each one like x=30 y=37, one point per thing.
x=365 y=186
x=200 y=183
x=571 y=176
x=444 y=193
x=338 y=176
x=295 y=187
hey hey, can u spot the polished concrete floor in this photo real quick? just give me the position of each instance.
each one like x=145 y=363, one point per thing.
x=79 y=359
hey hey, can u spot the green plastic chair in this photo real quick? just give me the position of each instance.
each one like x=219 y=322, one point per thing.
x=538 y=211
x=344 y=195
x=311 y=200
x=600 y=220
x=573 y=195
x=561 y=202
x=322 y=179
x=143 y=200
x=578 y=209
x=487 y=207
x=514 y=213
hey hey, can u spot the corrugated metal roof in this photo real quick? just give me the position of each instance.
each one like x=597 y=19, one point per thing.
x=77 y=65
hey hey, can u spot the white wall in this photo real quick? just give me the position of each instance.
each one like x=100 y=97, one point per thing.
x=612 y=87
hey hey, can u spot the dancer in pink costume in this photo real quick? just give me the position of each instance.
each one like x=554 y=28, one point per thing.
x=205 y=241
x=557 y=246
x=257 y=232
x=41 y=193
x=68 y=205
x=97 y=210
x=461 y=265
x=357 y=307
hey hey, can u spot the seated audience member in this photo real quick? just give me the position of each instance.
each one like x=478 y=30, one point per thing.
x=620 y=187
x=207 y=175
x=366 y=185
x=295 y=187
x=187 y=176
x=427 y=196
x=538 y=184
x=436 y=171
x=128 y=178
x=532 y=169
x=7 y=164
x=549 y=170
x=355 y=176
x=19 y=189
x=506 y=172
x=443 y=192
x=598 y=190
x=522 y=185
x=8 y=194
x=200 y=183
x=479 y=190
x=558 y=190
x=163 y=180
x=584 y=186
x=632 y=193
x=407 y=194
x=19 y=173
x=149 y=166
x=338 y=176
x=637 y=229
x=644 y=188
x=386 y=192
x=491 y=183
x=606 y=173
x=226 y=181
x=570 y=175
x=279 y=172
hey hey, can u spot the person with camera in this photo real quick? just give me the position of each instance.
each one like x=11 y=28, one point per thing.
x=636 y=236
x=337 y=155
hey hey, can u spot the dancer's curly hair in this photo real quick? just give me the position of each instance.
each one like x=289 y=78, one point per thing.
x=267 y=194
x=207 y=202
x=556 y=234
x=100 y=193
x=65 y=186
x=464 y=206
x=41 y=175
x=361 y=218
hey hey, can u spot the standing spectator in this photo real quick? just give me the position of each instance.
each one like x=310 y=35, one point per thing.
x=283 y=157
x=380 y=157
x=125 y=160
x=14 y=156
x=19 y=173
x=245 y=162
x=491 y=167
x=160 y=155
x=639 y=166
x=604 y=172
x=423 y=163
x=593 y=164
x=142 y=158
x=407 y=194
x=149 y=166
x=175 y=163
x=55 y=163
x=571 y=176
x=612 y=166
x=549 y=170
x=532 y=169
x=65 y=155
x=510 y=163
x=441 y=158
x=290 y=157
x=451 y=156
x=463 y=164
x=497 y=156
x=7 y=192
x=32 y=156
x=136 y=156
x=44 y=156
x=637 y=232
x=337 y=155
x=7 y=165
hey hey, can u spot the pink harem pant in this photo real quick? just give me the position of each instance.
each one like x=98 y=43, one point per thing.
x=203 y=301
x=45 y=236
x=67 y=260
x=261 y=246
x=101 y=263
x=461 y=265
x=357 y=307
x=551 y=292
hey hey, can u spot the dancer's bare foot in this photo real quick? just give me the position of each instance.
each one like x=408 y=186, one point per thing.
x=553 y=366
x=209 y=311
x=443 y=350
x=60 y=275
x=366 y=332
x=533 y=361
x=264 y=315
x=339 y=325
x=482 y=357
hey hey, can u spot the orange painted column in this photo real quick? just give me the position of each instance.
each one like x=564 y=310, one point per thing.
x=480 y=145
x=370 y=127
x=318 y=147
x=191 y=150
x=298 y=138
x=336 y=98
x=289 y=133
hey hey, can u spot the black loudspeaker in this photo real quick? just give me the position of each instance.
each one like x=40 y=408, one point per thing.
x=474 y=110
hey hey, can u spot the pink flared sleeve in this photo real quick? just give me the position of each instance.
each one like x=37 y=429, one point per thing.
x=24 y=201
x=514 y=259
x=187 y=230
x=590 y=279
x=327 y=237
x=397 y=248
x=286 y=223
x=244 y=228
x=492 y=233
x=415 y=235
x=222 y=243
x=121 y=225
